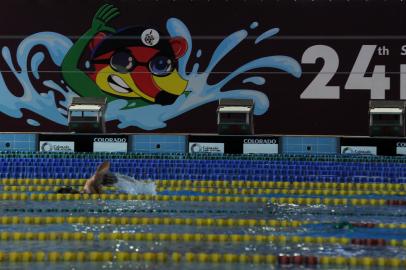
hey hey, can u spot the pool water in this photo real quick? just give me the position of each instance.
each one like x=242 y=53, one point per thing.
x=283 y=225
x=323 y=222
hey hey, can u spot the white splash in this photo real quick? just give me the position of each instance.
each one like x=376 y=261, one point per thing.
x=133 y=186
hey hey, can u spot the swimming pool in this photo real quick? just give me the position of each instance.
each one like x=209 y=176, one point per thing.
x=333 y=215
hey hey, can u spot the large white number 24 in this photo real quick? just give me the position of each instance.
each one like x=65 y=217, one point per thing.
x=378 y=83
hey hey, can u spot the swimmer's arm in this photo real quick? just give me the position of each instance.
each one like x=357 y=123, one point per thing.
x=92 y=187
x=72 y=74
x=88 y=187
x=94 y=184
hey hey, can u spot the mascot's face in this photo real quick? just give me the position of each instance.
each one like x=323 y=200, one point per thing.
x=141 y=71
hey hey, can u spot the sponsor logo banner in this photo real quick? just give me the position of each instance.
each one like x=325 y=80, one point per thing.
x=359 y=150
x=203 y=147
x=252 y=148
x=56 y=146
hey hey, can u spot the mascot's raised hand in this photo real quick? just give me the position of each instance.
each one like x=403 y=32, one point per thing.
x=103 y=16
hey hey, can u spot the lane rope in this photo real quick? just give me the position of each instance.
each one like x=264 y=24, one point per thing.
x=39 y=220
x=226 y=191
x=200 y=198
x=138 y=210
x=230 y=222
x=229 y=184
x=197 y=237
x=195 y=211
x=201 y=257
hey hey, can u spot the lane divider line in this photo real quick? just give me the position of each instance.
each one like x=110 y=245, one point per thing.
x=196 y=237
x=201 y=198
x=396 y=187
x=189 y=257
x=39 y=220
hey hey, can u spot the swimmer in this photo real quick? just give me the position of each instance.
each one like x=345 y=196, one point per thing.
x=102 y=177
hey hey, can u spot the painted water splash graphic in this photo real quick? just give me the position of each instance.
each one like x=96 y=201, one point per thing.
x=148 y=117
x=255 y=80
x=267 y=34
x=43 y=104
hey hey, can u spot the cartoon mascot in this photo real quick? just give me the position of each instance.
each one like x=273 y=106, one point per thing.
x=133 y=63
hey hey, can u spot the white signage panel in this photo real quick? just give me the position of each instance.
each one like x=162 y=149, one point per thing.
x=401 y=148
x=110 y=145
x=250 y=148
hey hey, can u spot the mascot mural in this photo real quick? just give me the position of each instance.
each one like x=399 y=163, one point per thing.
x=140 y=70
x=132 y=63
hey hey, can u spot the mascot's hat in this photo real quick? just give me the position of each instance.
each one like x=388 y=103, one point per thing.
x=131 y=37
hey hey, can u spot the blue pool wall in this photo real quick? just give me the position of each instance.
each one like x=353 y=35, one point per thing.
x=309 y=145
x=158 y=143
x=18 y=142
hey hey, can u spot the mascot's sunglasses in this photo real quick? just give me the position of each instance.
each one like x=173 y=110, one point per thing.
x=124 y=62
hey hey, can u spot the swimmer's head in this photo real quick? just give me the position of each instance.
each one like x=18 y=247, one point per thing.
x=67 y=190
